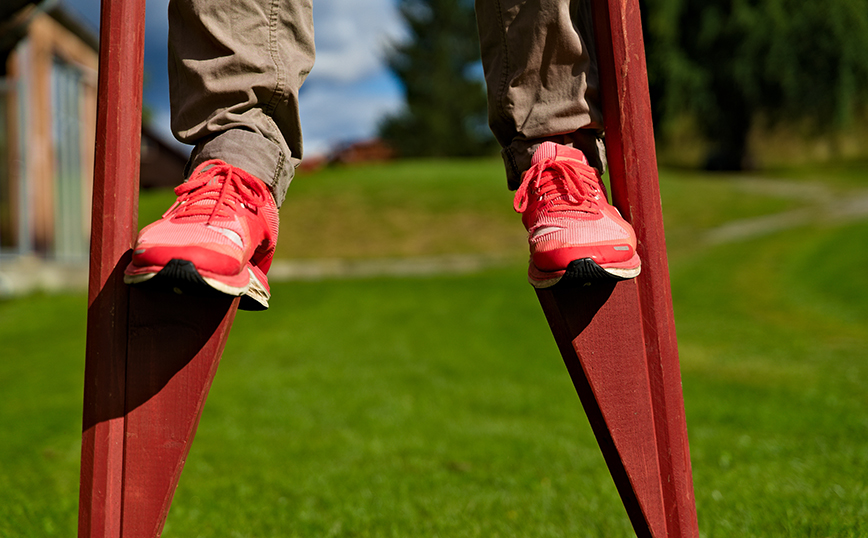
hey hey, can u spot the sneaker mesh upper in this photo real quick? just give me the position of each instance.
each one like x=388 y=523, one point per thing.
x=564 y=208
x=221 y=210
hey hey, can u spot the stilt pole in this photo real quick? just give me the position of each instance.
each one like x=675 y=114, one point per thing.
x=150 y=358
x=618 y=341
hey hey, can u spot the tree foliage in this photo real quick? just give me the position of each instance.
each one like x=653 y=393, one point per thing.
x=445 y=103
x=728 y=62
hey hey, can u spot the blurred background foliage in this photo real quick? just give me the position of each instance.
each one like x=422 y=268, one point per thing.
x=445 y=113
x=734 y=83
x=730 y=66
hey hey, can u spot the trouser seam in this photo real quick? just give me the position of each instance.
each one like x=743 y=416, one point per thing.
x=504 y=79
x=275 y=179
x=513 y=175
x=274 y=52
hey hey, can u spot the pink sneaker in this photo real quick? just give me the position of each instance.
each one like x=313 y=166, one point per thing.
x=218 y=236
x=572 y=230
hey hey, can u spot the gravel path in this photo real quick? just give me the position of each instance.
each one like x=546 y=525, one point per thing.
x=825 y=207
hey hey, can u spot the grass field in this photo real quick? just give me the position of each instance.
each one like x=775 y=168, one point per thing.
x=439 y=406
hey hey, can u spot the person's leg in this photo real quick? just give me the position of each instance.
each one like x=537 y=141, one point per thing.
x=541 y=74
x=235 y=69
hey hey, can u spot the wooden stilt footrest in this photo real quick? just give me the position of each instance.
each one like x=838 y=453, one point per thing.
x=595 y=328
x=151 y=357
x=618 y=340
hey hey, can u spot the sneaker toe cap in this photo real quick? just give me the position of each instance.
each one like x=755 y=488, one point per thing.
x=206 y=258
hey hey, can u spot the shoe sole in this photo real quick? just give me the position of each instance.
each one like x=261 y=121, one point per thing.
x=181 y=277
x=257 y=295
x=582 y=271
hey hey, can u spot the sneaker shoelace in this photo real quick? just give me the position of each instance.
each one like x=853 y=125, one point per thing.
x=558 y=186
x=217 y=190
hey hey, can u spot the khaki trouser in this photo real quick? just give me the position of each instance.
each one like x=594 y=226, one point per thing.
x=236 y=66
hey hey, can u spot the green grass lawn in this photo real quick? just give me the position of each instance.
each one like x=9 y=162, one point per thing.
x=439 y=406
x=405 y=208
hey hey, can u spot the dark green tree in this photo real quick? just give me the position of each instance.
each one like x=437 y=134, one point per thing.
x=729 y=63
x=445 y=104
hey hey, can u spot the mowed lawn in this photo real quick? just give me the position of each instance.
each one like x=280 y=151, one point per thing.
x=439 y=406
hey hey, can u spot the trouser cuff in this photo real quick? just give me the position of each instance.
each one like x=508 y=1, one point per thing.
x=250 y=152
x=518 y=155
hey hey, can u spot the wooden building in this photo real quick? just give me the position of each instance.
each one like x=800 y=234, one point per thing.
x=48 y=122
x=161 y=164
x=48 y=97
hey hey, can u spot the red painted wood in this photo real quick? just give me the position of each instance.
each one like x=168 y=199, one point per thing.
x=174 y=349
x=635 y=186
x=621 y=349
x=113 y=230
x=596 y=331
x=150 y=357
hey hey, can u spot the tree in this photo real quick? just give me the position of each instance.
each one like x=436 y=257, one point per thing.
x=728 y=63
x=445 y=103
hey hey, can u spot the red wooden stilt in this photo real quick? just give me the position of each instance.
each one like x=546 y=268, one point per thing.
x=150 y=357
x=174 y=349
x=618 y=341
x=112 y=234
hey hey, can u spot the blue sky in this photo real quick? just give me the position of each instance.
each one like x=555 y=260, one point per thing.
x=348 y=91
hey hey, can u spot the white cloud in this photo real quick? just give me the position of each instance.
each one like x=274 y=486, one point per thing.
x=352 y=37
x=334 y=112
x=349 y=89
